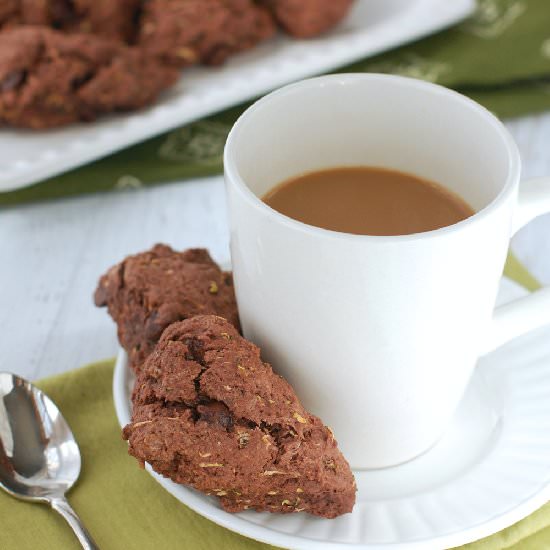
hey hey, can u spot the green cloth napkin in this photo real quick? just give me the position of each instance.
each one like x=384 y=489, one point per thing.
x=500 y=57
x=516 y=271
x=123 y=507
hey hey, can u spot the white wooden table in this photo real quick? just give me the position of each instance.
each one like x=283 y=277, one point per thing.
x=51 y=255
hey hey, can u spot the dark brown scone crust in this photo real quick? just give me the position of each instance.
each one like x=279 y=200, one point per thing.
x=307 y=18
x=184 y=32
x=9 y=12
x=49 y=79
x=207 y=412
x=115 y=19
x=147 y=292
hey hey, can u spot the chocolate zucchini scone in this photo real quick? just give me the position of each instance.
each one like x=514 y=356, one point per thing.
x=184 y=32
x=207 y=412
x=49 y=79
x=147 y=292
x=307 y=18
x=115 y=19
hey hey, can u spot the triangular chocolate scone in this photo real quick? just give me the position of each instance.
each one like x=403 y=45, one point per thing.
x=207 y=412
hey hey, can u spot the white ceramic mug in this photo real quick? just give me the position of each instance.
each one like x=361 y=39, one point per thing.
x=378 y=335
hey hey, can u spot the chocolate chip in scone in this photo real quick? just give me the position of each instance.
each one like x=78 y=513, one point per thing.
x=62 y=13
x=12 y=80
x=215 y=412
x=80 y=80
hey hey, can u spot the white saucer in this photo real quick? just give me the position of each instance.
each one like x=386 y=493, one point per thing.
x=490 y=470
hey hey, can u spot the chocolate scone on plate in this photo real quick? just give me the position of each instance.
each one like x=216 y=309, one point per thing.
x=307 y=18
x=115 y=19
x=209 y=413
x=184 y=32
x=49 y=79
x=147 y=292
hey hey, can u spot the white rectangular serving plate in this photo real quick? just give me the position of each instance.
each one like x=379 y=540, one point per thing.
x=371 y=27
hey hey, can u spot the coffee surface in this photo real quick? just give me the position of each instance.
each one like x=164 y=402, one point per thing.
x=366 y=200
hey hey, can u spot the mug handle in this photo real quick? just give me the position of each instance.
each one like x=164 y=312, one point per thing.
x=533 y=311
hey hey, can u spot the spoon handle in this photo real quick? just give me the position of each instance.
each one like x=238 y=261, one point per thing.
x=64 y=508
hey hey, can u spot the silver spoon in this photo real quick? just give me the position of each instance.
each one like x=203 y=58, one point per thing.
x=39 y=457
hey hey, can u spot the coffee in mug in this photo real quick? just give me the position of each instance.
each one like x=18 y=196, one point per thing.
x=366 y=200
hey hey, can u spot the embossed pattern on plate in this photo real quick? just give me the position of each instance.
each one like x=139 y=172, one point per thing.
x=371 y=27
x=491 y=469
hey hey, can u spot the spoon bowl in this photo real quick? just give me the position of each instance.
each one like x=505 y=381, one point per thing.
x=39 y=457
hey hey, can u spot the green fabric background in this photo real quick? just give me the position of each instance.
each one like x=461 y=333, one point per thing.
x=500 y=57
